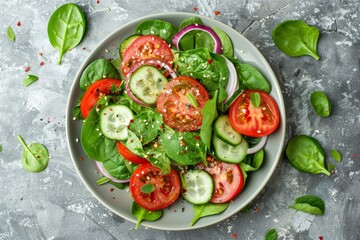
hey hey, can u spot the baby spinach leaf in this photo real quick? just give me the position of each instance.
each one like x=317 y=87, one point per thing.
x=147 y=125
x=115 y=166
x=321 y=103
x=158 y=158
x=253 y=162
x=309 y=204
x=305 y=154
x=209 y=113
x=130 y=165
x=296 y=38
x=184 y=148
x=271 y=234
x=336 y=155
x=143 y=214
x=192 y=100
x=98 y=69
x=133 y=143
x=330 y=167
x=162 y=29
x=207 y=209
x=147 y=188
x=187 y=42
x=66 y=28
x=35 y=157
x=95 y=145
x=10 y=34
x=252 y=78
x=76 y=110
x=29 y=79
x=255 y=99
x=0 y=148
x=206 y=40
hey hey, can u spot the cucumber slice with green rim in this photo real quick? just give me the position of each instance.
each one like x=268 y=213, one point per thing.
x=198 y=186
x=147 y=83
x=225 y=132
x=114 y=120
x=126 y=43
x=228 y=153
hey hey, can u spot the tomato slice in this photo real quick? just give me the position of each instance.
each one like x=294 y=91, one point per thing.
x=146 y=47
x=251 y=121
x=175 y=106
x=94 y=92
x=128 y=155
x=167 y=187
x=228 y=179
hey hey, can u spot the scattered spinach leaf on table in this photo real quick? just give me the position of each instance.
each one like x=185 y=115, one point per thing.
x=143 y=214
x=336 y=155
x=35 y=157
x=10 y=34
x=271 y=234
x=29 y=79
x=0 y=148
x=309 y=204
x=296 y=38
x=66 y=28
x=321 y=103
x=207 y=209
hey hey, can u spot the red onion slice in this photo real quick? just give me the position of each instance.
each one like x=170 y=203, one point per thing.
x=258 y=147
x=176 y=38
x=233 y=82
x=106 y=174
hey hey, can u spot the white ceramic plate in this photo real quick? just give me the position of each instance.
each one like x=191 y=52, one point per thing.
x=180 y=214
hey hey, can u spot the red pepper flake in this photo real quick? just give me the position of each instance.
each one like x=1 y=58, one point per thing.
x=18 y=24
x=356 y=155
x=257 y=209
x=217 y=13
x=27 y=69
x=42 y=64
x=114 y=198
x=84 y=48
x=81 y=158
x=234 y=235
x=182 y=143
x=112 y=189
x=195 y=9
x=98 y=1
x=197 y=138
x=321 y=238
x=210 y=61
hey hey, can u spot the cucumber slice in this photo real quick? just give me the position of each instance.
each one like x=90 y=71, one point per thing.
x=114 y=120
x=147 y=83
x=126 y=43
x=225 y=132
x=198 y=186
x=228 y=153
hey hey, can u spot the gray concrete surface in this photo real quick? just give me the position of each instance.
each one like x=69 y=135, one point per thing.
x=55 y=204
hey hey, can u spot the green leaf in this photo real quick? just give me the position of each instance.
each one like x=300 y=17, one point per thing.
x=0 y=148
x=187 y=42
x=133 y=143
x=207 y=209
x=253 y=162
x=255 y=99
x=191 y=98
x=115 y=166
x=143 y=214
x=147 y=125
x=66 y=28
x=35 y=157
x=296 y=38
x=102 y=181
x=206 y=40
x=271 y=234
x=305 y=154
x=158 y=158
x=147 y=188
x=252 y=78
x=309 y=204
x=76 y=110
x=29 y=79
x=321 y=103
x=10 y=34
x=209 y=113
x=330 y=167
x=336 y=155
x=162 y=29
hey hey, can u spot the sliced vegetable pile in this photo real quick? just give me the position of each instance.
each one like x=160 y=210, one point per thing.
x=183 y=119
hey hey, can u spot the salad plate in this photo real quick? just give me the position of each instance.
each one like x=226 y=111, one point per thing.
x=179 y=215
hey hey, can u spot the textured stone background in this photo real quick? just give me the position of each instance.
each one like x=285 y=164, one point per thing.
x=55 y=204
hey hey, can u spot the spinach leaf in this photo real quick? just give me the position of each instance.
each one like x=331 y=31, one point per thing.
x=76 y=110
x=321 y=103
x=207 y=209
x=210 y=69
x=29 y=79
x=119 y=185
x=98 y=69
x=296 y=38
x=255 y=99
x=95 y=145
x=130 y=165
x=35 y=157
x=147 y=126
x=66 y=28
x=209 y=113
x=102 y=181
x=309 y=204
x=271 y=234
x=162 y=29
x=0 y=148
x=10 y=34
x=336 y=155
x=133 y=143
x=305 y=154
x=143 y=214
x=205 y=40
x=115 y=166
x=253 y=162
x=187 y=42
x=147 y=188
x=183 y=148
x=330 y=167
x=158 y=158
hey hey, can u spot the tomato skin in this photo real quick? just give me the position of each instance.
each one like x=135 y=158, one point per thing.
x=228 y=179
x=146 y=47
x=167 y=187
x=251 y=121
x=94 y=92
x=175 y=107
x=128 y=155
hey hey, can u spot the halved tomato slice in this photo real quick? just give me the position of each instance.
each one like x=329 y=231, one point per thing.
x=128 y=155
